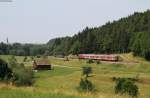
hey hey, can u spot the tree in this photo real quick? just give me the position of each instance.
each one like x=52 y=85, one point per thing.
x=4 y=48
x=76 y=48
x=90 y=61
x=25 y=58
x=126 y=86
x=13 y=62
x=85 y=84
x=5 y=71
x=141 y=45
x=87 y=71
x=22 y=77
x=113 y=37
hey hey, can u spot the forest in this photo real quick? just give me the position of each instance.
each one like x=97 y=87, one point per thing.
x=129 y=34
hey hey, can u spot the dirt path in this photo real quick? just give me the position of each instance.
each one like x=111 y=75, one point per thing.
x=126 y=63
x=66 y=66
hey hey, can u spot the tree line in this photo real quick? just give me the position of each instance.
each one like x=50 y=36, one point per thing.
x=19 y=49
x=129 y=34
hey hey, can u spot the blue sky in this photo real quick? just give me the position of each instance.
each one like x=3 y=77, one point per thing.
x=37 y=21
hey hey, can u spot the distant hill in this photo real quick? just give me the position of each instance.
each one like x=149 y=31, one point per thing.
x=128 y=34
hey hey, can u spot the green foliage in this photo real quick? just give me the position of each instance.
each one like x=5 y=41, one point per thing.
x=129 y=34
x=22 y=77
x=90 y=61
x=25 y=58
x=23 y=49
x=112 y=37
x=141 y=44
x=126 y=86
x=86 y=85
x=75 y=49
x=4 y=48
x=5 y=71
x=32 y=58
x=98 y=62
x=46 y=53
x=87 y=71
x=13 y=62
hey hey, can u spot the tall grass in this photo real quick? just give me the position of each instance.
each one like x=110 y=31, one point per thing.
x=61 y=82
x=17 y=93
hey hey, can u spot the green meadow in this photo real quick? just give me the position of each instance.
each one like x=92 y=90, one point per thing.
x=62 y=81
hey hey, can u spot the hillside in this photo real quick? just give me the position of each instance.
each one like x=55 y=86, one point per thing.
x=63 y=80
x=120 y=36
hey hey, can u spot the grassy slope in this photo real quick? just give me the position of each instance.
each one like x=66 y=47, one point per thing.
x=64 y=80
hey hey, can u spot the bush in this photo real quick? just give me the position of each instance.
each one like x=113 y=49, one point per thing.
x=86 y=85
x=22 y=77
x=147 y=56
x=5 y=71
x=126 y=86
x=38 y=56
x=135 y=79
x=32 y=58
x=16 y=72
x=87 y=71
x=98 y=62
x=13 y=62
x=90 y=61
x=25 y=58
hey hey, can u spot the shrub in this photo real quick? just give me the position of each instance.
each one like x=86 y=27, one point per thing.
x=90 y=61
x=32 y=58
x=25 y=58
x=126 y=86
x=5 y=71
x=147 y=55
x=13 y=62
x=135 y=79
x=16 y=72
x=98 y=62
x=22 y=77
x=87 y=71
x=86 y=85
x=38 y=56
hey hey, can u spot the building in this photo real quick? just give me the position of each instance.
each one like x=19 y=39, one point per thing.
x=102 y=57
x=43 y=64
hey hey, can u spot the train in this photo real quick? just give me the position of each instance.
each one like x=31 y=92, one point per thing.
x=101 y=57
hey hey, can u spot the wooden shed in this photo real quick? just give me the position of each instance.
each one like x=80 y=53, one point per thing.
x=43 y=64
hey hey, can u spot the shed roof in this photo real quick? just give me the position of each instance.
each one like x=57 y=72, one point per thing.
x=42 y=62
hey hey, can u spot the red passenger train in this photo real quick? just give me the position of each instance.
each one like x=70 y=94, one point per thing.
x=102 y=57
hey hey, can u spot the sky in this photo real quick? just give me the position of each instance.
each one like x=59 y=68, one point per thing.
x=38 y=21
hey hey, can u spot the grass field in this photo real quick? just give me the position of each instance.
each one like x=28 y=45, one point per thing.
x=62 y=81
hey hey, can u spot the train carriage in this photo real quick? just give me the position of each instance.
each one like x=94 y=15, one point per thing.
x=102 y=57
